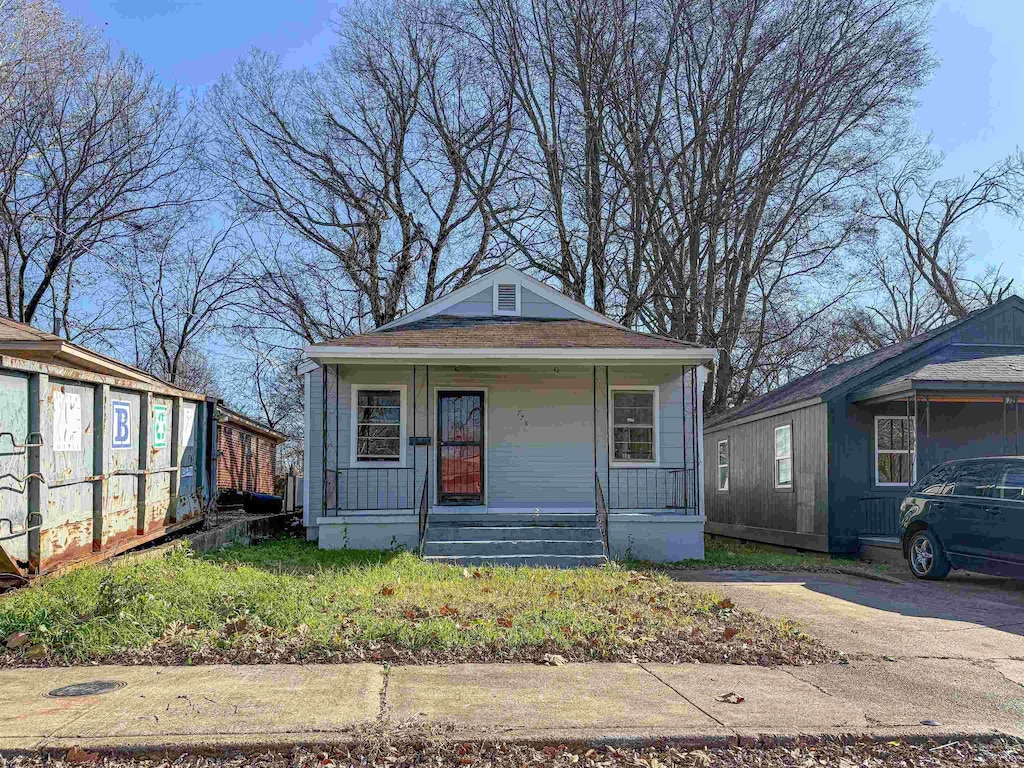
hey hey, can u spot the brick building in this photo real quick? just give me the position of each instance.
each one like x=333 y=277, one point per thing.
x=246 y=452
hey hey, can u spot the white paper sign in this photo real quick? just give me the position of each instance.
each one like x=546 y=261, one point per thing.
x=186 y=472
x=67 y=421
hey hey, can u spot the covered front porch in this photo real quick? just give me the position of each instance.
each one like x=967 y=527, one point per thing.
x=538 y=443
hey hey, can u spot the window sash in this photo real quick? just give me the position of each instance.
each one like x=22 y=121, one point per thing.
x=784 y=457
x=378 y=425
x=633 y=426
x=723 y=465
x=890 y=466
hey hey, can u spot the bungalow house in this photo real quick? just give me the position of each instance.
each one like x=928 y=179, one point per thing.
x=506 y=423
x=824 y=462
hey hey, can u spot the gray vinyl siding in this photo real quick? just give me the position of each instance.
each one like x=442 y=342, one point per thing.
x=540 y=429
x=753 y=507
x=532 y=305
x=313 y=445
x=480 y=304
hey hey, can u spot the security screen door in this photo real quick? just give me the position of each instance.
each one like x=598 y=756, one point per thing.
x=460 y=447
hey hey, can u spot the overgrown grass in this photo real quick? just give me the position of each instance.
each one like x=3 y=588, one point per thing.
x=732 y=554
x=287 y=600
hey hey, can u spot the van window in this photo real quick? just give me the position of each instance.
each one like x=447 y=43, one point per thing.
x=975 y=478
x=1011 y=482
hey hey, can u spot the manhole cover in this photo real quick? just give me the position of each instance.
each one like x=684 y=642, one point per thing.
x=93 y=688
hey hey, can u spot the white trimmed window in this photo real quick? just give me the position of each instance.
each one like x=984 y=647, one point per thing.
x=784 y=456
x=895 y=449
x=723 y=465
x=634 y=425
x=378 y=425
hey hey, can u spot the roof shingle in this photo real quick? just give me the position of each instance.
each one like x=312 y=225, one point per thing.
x=449 y=331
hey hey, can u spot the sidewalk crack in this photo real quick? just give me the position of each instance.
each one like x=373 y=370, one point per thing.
x=685 y=698
x=384 y=713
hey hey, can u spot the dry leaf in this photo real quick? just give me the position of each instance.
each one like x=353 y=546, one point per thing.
x=726 y=604
x=729 y=698
x=731 y=632
x=387 y=591
x=77 y=755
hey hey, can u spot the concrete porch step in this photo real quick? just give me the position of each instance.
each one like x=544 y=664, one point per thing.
x=481 y=548
x=443 y=532
x=539 y=561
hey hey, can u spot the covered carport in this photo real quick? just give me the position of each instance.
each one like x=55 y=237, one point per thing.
x=964 y=402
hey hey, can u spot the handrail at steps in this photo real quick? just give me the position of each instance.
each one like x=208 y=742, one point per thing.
x=423 y=517
x=602 y=515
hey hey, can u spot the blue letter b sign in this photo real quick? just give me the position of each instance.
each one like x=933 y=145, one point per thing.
x=121 y=432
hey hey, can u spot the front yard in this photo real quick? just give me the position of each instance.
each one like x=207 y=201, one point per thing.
x=287 y=601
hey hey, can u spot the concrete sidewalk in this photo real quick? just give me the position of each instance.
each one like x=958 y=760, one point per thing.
x=215 y=707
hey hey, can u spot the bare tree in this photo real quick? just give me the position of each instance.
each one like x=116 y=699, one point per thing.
x=380 y=160
x=179 y=289
x=926 y=215
x=92 y=153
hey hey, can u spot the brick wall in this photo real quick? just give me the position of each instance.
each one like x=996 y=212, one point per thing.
x=246 y=461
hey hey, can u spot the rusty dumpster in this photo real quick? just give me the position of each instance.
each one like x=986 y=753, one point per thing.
x=95 y=457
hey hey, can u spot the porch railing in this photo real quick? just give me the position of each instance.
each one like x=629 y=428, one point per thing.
x=650 y=488
x=602 y=513
x=424 y=504
x=370 y=488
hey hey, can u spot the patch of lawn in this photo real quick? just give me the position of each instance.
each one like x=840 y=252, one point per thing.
x=287 y=601
x=732 y=554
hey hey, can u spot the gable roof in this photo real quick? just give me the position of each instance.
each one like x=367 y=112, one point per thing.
x=451 y=331
x=231 y=416
x=504 y=274
x=821 y=383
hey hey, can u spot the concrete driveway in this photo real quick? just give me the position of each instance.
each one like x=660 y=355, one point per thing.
x=965 y=617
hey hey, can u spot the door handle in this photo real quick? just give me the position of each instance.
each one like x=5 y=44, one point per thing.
x=994 y=510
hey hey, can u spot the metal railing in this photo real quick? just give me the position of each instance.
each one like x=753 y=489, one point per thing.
x=650 y=488
x=370 y=488
x=424 y=504
x=602 y=514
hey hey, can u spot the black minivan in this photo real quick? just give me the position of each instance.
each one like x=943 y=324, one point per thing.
x=966 y=514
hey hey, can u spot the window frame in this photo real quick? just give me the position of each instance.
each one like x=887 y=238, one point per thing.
x=656 y=417
x=911 y=451
x=728 y=459
x=519 y=299
x=403 y=423
x=777 y=458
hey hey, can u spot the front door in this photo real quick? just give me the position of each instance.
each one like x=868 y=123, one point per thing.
x=460 y=447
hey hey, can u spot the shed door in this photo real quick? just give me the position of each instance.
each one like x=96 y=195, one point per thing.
x=460 y=447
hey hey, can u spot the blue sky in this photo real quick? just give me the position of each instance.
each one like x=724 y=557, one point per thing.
x=974 y=106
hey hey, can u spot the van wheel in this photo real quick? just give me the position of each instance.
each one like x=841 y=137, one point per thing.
x=926 y=558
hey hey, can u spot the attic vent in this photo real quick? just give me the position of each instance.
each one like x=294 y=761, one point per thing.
x=506 y=299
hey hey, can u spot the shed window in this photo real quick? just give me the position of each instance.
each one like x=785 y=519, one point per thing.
x=379 y=425
x=634 y=434
x=784 y=456
x=894 y=450
x=723 y=465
